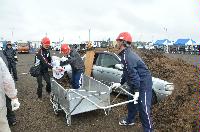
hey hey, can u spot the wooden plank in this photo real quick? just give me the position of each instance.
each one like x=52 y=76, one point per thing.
x=89 y=62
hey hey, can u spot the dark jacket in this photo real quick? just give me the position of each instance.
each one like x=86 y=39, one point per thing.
x=75 y=60
x=10 y=53
x=134 y=71
x=44 y=58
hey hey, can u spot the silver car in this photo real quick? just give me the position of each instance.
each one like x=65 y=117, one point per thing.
x=107 y=68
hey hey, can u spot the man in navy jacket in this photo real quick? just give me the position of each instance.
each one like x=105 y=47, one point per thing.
x=138 y=78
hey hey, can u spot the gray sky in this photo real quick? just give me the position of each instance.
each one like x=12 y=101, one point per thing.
x=72 y=19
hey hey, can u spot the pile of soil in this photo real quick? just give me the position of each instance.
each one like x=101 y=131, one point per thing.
x=64 y=82
x=178 y=112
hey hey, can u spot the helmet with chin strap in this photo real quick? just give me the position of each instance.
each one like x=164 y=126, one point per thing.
x=125 y=37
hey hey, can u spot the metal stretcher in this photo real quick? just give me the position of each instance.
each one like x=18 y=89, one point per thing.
x=91 y=96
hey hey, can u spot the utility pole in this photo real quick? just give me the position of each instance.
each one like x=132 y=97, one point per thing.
x=12 y=33
x=167 y=50
x=89 y=35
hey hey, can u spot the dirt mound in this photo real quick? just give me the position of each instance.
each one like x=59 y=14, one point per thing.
x=64 y=81
x=178 y=112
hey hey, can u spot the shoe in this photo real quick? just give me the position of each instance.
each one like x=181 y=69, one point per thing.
x=39 y=99
x=12 y=123
x=48 y=93
x=125 y=123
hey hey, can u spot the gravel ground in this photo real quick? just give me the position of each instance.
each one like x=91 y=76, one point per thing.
x=34 y=116
x=176 y=113
x=191 y=59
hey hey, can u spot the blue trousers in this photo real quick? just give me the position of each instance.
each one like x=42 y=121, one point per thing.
x=76 y=78
x=143 y=106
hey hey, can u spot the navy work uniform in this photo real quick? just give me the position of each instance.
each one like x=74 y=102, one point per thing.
x=138 y=78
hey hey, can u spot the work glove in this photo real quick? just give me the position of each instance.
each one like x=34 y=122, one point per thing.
x=15 y=58
x=136 y=96
x=15 y=104
x=115 y=85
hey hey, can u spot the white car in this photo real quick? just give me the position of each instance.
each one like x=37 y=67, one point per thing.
x=149 y=47
x=140 y=47
x=107 y=68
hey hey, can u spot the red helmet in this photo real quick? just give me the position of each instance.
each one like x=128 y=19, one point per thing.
x=125 y=36
x=65 y=49
x=45 y=41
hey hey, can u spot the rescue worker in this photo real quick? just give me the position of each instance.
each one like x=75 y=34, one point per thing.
x=10 y=114
x=43 y=58
x=11 y=57
x=7 y=87
x=138 y=78
x=76 y=62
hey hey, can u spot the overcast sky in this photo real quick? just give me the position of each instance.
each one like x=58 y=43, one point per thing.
x=146 y=20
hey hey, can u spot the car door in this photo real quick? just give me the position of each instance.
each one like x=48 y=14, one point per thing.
x=104 y=70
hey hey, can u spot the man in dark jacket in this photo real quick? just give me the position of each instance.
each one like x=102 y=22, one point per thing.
x=43 y=58
x=76 y=62
x=138 y=78
x=11 y=57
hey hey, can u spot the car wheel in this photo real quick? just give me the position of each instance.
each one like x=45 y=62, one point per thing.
x=154 y=98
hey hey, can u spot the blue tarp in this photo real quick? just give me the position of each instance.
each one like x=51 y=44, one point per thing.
x=161 y=42
x=182 y=42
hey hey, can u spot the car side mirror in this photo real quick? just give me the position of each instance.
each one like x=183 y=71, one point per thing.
x=118 y=66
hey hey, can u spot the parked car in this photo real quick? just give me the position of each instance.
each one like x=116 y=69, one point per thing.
x=149 y=47
x=107 y=68
x=140 y=47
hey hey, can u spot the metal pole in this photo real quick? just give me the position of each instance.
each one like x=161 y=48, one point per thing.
x=89 y=35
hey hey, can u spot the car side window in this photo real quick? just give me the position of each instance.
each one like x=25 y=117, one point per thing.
x=108 y=61
x=96 y=59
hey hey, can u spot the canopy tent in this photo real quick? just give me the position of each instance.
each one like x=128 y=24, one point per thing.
x=184 y=42
x=162 y=42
